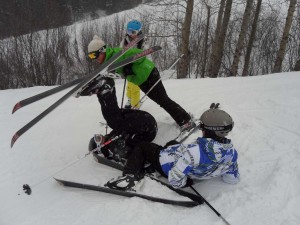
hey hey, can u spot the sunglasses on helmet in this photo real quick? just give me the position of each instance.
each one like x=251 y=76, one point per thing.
x=95 y=54
x=132 y=32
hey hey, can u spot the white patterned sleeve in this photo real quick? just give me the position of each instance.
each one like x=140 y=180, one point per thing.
x=178 y=174
x=232 y=176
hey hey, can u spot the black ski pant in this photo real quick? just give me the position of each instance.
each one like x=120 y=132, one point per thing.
x=136 y=125
x=142 y=153
x=159 y=95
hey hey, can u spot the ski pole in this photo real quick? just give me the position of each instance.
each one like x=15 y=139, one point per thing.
x=28 y=190
x=209 y=205
x=145 y=95
x=123 y=93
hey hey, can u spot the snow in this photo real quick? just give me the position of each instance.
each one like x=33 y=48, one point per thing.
x=266 y=112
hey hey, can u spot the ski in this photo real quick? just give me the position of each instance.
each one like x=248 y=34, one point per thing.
x=120 y=167
x=133 y=58
x=45 y=94
x=55 y=90
x=77 y=89
x=125 y=193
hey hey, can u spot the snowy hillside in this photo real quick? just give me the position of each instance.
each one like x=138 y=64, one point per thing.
x=266 y=111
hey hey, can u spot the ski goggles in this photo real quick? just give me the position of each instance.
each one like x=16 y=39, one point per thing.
x=95 y=54
x=132 y=32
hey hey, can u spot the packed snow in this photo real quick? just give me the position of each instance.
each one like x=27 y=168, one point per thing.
x=266 y=112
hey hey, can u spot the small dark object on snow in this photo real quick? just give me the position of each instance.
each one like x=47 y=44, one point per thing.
x=27 y=189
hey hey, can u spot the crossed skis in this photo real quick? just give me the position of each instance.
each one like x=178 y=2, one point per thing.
x=195 y=200
x=82 y=83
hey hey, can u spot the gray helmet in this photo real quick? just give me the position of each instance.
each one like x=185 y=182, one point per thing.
x=216 y=120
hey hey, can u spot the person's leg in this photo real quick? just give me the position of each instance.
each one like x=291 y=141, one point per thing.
x=140 y=126
x=135 y=125
x=135 y=95
x=134 y=167
x=142 y=153
x=159 y=95
x=128 y=94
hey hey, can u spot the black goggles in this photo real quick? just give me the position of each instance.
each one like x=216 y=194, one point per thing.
x=132 y=32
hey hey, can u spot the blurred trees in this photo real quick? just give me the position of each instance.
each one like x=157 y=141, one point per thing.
x=19 y=17
x=219 y=38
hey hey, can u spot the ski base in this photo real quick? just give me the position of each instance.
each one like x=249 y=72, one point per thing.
x=125 y=193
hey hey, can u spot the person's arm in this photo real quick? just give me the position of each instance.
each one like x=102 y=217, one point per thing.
x=178 y=175
x=232 y=176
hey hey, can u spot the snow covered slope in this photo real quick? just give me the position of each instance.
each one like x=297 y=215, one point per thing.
x=266 y=111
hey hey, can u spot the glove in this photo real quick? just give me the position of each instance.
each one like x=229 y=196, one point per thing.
x=127 y=70
x=189 y=182
x=113 y=75
x=172 y=142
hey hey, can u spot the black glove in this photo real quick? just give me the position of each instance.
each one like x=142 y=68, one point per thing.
x=127 y=70
x=189 y=182
x=172 y=142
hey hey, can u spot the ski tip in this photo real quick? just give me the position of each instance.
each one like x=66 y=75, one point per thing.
x=16 y=107
x=13 y=140
x=57 y=180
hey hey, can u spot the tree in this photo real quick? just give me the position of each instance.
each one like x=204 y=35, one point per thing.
x=206 y=41
x=251 y=38
x=297 y=66
x=241 y=39
x=285 y=36
x=218 y=46
x=185 y=36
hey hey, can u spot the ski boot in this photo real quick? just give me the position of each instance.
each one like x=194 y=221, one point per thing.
x=128 y=182
x=99 y=86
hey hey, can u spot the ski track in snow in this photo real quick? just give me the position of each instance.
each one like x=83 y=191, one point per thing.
x=266 y=112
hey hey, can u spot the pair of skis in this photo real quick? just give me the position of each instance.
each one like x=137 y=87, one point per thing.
x=81 y=84
x=195 y=200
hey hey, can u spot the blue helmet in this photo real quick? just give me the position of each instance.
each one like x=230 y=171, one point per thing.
x=134 y=27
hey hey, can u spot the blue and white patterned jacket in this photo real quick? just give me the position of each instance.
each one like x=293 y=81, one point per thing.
x=204 y=159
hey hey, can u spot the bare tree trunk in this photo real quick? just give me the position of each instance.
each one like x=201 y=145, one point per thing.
x=184 y=49
x=251 y=38
x=285 y=36
x=219 y=20
x=241 y=40
x=216 y=38
x=217 y=53
x=297 y=66
x=205 y=42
